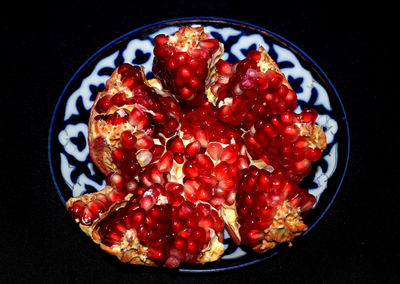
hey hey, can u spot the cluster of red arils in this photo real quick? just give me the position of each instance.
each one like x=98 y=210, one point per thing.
x=206 y=145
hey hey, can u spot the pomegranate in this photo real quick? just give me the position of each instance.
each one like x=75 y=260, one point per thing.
x=204 y=146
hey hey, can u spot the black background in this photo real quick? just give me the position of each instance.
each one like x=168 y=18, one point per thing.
x=43 y=44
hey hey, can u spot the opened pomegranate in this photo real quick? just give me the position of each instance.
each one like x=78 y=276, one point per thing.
x=205 y=145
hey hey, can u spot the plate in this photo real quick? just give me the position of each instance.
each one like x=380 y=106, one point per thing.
x=75 y=174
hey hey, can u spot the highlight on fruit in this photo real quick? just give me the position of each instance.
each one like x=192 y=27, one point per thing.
x=204 y=146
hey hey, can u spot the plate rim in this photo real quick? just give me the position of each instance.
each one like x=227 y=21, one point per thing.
x=211 y=20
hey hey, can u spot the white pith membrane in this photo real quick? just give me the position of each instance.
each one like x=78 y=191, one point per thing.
x=287 y=222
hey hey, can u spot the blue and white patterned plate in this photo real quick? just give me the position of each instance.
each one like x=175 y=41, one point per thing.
x=75 y=174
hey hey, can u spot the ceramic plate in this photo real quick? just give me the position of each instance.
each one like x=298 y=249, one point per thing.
x=75 y=174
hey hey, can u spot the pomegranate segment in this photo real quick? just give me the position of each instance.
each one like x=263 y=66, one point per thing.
x=143 y=229
x=250 y=90
x=289 y=142
x=223 y=149
x=127 y=117
x=184 y=62
x=269 y=209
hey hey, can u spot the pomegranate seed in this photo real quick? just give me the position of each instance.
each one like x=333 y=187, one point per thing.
x=97 y=207
x=103 y=104
x=115 y=196
x=174 y=188
x=230 y=154
x=180 y=243
x=86 y=217
x=313 y=154
x=223 y=67
x=202 y=136
x=214 y=150
x=131 y=186
x=191 y=169
x=76 y=209
x=172 y=262
x=128 y=140
x=222 y=171
x=205 y=192
x=211 y=44
x=147 y=202
x=227 y=184
x=308 y=116
x=145 y=142
x=138 y=216
x=138 y=118
x=144 y=157
x=115 y=180
x=165 y=162
x=205 y=162
x=193 y=148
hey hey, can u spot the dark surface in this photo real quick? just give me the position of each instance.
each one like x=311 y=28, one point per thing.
x=43 y=46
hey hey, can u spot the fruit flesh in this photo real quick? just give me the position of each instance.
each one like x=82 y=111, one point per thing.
x=192 y=156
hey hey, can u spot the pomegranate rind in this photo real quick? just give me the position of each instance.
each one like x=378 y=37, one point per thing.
x=214 y=250
x=230 y=217
x=267 y=63
x=286 y=225
x=314 y=134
